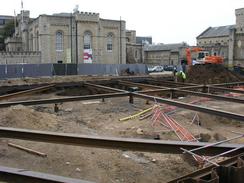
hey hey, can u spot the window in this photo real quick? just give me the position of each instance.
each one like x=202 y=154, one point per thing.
x=2 y=21
x=31 y=42
x=87 y=40
x=37 y=40
x=110 y=42
x=136 y=54
x=59 y=41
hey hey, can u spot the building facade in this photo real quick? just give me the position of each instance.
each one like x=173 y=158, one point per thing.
x=226 y=41
x=78 y=37
x=164 y=54
x=134 y=50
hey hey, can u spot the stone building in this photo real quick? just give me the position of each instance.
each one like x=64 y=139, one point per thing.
x=216 y=40
x=141 y=50
x=79 y=37
x=227 y=41
x=134 y=50
x=164 y=54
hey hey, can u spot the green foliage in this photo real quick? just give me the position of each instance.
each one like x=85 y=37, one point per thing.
x=8 y=30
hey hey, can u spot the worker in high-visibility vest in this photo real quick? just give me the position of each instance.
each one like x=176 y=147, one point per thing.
x=181 y=76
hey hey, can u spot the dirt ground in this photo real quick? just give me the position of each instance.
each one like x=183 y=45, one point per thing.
x=211 y=74
x=102 y=118
x=60 y=79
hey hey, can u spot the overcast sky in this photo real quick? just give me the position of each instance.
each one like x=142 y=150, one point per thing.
x=167 y=21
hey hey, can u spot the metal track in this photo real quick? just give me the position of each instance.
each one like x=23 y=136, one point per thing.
x=207 y=171
x=229 y=84
x=13 y=175
x=212 y=96
x=141 y=85
x=25 y=92
x=125 y=93
x=158 y=146
x=215 y=88
x=183 y=90
x=104 y=88
x=63 y=99
x=193 y=107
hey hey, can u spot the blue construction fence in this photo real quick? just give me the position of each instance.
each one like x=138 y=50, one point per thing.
x=39 y=70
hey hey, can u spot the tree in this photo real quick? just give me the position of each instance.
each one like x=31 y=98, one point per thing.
x=6 y=31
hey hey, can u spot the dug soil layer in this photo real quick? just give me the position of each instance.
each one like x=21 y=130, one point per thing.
x=210 y=74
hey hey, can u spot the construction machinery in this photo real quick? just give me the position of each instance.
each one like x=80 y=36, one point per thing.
x=203 y=57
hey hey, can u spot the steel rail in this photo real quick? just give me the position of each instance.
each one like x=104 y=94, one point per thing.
x=63 y=99
x=216 y=97
x=125 y=93
x=163 y=87
x=183 y=90
x=155 y=91
x=104 y=88
x=22 y=175
x=192 y=107
x=215 y=88
x=141 y=85
x=38 y=89
x=228 y=84
x=207 y=170
x=191 y=87
x=159 y=87
x=158 y=146
x=207 y=95
x=160 y=81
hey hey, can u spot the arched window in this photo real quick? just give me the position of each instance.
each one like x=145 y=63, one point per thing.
x=136 y=54
x=110 y=42
x=59 y=41
x=87 y=40
x=31 y=43
x=37 y=40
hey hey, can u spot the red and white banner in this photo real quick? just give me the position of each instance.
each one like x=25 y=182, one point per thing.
x=87 y=56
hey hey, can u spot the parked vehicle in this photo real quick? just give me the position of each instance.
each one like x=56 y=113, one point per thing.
x=169 y=67
x=157 y=68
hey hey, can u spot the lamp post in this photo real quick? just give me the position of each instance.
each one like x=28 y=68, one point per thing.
x=76 y=45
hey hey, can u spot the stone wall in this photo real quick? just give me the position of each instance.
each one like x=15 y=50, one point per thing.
x=134 y=53
x=239 y=20
x=163 y=57
x=223 y=41
x=239 y=49
x=20 y=57
x=157 y=57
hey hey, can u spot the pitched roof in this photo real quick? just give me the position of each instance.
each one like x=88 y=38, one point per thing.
x=142 y=40
x=216 y=31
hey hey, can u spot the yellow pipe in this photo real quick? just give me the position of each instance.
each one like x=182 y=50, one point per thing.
x=136 y=115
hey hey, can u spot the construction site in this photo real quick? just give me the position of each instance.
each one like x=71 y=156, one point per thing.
x=109 y=129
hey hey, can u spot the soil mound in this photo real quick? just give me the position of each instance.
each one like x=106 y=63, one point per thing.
x=210 y=74
x=24 y=117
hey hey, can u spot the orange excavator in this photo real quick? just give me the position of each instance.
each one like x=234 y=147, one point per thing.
x=203 y=57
